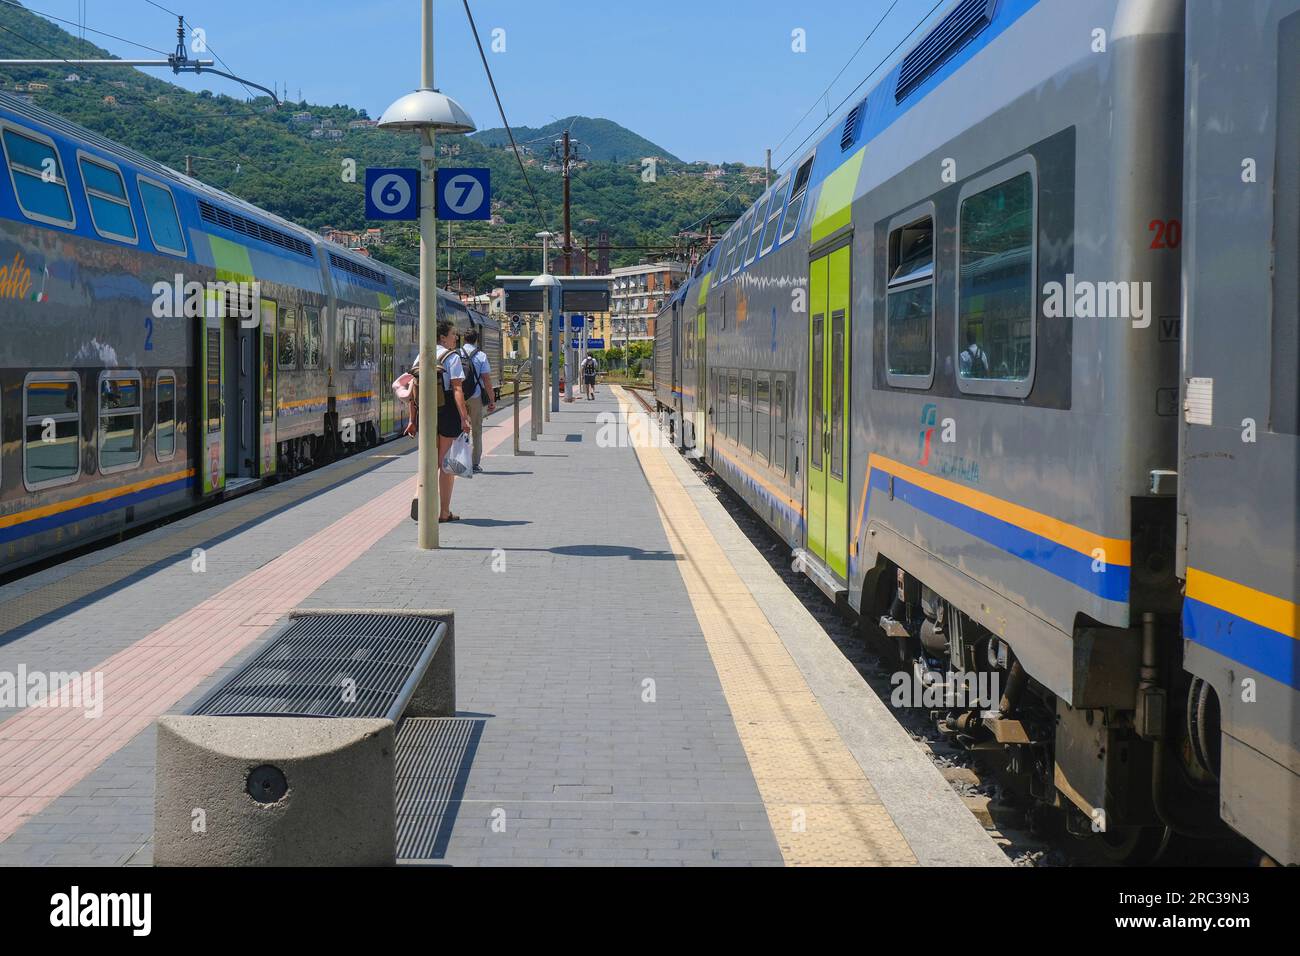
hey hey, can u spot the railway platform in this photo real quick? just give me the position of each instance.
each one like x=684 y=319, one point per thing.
x=635 y=684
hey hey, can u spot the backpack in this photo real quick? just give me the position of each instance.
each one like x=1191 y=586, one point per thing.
x=471 y=383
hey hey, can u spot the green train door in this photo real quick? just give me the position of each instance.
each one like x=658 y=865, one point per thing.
x=828 y=402
x=211 y=413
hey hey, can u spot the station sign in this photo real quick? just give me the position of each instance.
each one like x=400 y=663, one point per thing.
x=464 y=193
x=392 y=193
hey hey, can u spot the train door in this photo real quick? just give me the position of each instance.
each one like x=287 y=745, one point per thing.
x=701 y=384
x=267 y=364
x=212 y=415
x=828 y=392
x=387 y=372
x=241 y=367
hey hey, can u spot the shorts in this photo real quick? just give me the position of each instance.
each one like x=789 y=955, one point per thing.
x=449 y=419
x=588 y=380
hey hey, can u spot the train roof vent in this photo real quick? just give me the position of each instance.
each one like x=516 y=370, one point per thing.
x=953 y=32
x=852 y=124
x=252 y=228
x=357 y=269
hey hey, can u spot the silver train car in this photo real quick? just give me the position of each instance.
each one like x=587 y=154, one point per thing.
x=165 y=343
x=1009 y=358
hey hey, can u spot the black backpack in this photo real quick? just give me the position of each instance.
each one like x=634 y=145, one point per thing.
x=471 y=383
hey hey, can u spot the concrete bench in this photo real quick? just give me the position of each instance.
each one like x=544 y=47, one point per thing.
x=289 y=761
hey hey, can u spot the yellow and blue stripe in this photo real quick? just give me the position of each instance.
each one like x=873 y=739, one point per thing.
x=1065 y=550
x=1249 y=626
x=23 y=524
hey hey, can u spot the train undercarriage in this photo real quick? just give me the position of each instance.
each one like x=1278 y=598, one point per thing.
x=1133 y=765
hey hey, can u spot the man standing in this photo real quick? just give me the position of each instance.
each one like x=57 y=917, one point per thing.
x=589 y=377
x=479 y=390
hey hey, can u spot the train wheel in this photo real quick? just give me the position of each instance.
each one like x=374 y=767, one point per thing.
x=1135 y=846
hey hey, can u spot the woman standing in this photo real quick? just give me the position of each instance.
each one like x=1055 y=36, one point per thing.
x=453 y=415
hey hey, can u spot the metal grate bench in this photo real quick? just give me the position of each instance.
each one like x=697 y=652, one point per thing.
x=289 y=760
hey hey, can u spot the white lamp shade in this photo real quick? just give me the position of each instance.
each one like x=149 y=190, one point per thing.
x=427 y=109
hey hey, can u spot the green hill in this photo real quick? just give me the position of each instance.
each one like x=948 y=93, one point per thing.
x=600 y=140
x=269 y=158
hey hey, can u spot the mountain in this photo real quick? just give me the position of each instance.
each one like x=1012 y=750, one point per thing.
x=601 y=140
x=295 y=165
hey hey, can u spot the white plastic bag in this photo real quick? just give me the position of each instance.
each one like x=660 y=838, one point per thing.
x=459 y=460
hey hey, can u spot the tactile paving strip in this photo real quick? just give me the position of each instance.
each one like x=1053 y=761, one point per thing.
x=822 y=809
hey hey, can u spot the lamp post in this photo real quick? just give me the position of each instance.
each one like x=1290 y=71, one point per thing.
x=427 y=111
x=546 y=282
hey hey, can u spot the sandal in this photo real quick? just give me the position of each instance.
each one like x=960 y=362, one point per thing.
x=450 y=517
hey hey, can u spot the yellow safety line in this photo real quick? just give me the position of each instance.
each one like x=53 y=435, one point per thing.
x=822 y=809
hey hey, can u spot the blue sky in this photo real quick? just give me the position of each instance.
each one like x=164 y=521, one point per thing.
x=703 y=79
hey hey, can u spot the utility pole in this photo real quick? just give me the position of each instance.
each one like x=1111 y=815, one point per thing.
x=568 y=270
x=189 y=166
x=767 y=170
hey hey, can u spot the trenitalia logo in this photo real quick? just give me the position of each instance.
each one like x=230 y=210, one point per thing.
x=929 y=414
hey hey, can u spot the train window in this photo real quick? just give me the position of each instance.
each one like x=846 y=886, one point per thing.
x=837 y=393
x=160 y=216
x=287 y=353
x=742 y=233
x=36 y=172
x=817 y=425
x=110 y=209
x=349 y=356
x=733 y=404
x=774 y=216
x=121 y=416
x=52 y=429
x=760 y=220
x=311 y=337
x=365 y=345
x=779 y=393
x=268 y=375
x=909 y=321
x=762 y=415
x=724 y=259
x=164 y=435
x=995 y=283
x=747 y=410
x=798 y=190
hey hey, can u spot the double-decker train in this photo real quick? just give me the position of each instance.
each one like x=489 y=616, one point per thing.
x=164 y=343
x=1010 y=359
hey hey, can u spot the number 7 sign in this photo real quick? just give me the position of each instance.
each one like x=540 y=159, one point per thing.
x=464 y=193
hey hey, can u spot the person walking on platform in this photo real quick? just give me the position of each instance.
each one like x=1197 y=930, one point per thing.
x=589 y=377
x=453 y=414
x=478 y=389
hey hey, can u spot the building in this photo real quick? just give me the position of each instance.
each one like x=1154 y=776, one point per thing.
x=637 y=294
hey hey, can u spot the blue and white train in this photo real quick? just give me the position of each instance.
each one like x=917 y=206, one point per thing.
x=138 y=373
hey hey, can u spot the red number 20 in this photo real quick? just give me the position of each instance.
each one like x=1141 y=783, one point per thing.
x=1168 y=234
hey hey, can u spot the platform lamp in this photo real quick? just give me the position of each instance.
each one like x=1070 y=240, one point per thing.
x=427 y=111
x=550 y=348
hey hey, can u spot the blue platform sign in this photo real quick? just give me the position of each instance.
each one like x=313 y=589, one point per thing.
x=595 y=343
x=577 y=322
x=464 y=193
x=392 y=193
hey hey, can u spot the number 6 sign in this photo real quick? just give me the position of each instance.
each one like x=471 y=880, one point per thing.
x=392 y=194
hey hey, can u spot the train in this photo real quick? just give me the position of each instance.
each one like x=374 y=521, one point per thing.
x=1009 y=358
x=165 y=343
